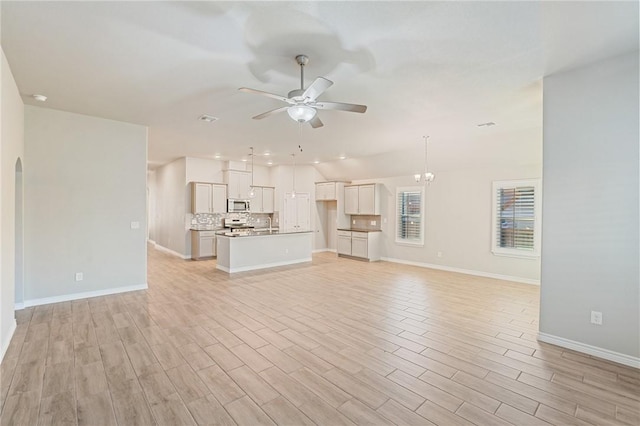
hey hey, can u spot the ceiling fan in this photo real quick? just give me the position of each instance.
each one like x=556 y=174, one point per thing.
x=304 y=103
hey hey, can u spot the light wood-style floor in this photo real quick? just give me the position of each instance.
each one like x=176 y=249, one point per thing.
x=333 y=342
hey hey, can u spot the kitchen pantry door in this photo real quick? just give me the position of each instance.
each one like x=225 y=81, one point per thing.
x=297 y=212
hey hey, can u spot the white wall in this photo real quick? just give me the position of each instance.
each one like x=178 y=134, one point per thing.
x=11 y=148
x=85 y=182
x=171 y=207
x=590 y=248
x=457 y=223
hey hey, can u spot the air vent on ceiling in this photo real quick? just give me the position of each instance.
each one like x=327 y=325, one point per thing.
x=207 y=118
x=487 y=124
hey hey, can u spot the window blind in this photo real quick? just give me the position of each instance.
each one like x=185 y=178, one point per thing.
x=409 y=216
x=515 y=221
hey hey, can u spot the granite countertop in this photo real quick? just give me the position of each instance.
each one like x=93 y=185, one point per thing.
x=359 y=230
x=259 y=233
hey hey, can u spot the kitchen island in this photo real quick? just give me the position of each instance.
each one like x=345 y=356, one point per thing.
x=247 y=251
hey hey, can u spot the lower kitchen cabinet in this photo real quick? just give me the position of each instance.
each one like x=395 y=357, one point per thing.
x=364 y=245
x=203 y=244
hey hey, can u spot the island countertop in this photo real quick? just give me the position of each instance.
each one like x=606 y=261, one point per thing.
x=258 y=233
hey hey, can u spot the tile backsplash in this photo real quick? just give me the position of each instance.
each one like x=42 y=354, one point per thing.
x=365 y=222
x=215 y=220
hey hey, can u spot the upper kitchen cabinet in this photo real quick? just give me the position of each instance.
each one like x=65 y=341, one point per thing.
x=325 y=191
x=208 y=197
x=263 y=200
x=238 y=183
x=328 y=191
x=362 y=199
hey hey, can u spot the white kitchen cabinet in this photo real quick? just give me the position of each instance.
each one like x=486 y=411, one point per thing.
x=363 y=245
x=262 y=202
x=359 y=244
x=326 y=191
x=344 y=243
x=238 y=183
x=208 y=197
x=203 y=244
x=297 y=212
x=268 y=199
x=351 y=200
x=219 y=202
x=362 y=199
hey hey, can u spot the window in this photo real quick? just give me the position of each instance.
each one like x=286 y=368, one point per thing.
x=516 y=218
x=410 y=216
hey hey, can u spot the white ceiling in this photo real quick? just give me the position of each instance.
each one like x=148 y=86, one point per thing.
x=436 y=68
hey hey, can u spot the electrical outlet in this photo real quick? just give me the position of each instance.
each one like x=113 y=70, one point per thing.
x=439 y=254
x=135 y=225
x=79 y=276
x=384 y=220
x=373 y=223
x=286 y=251
x=596 y=317
x=354 y=221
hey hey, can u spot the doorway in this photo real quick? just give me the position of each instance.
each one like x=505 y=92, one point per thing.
x=19 y=238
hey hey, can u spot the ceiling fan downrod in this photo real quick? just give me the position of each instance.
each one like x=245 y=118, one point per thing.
x=302 y=60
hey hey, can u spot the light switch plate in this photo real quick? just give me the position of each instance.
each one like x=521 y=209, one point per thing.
x=373 y=223
x=135 y=225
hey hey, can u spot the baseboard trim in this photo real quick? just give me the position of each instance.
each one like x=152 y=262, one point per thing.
x=464 y=271
x=265 y=266
x=83 y=295
x=323 y=250
x=590 y=350
x=7 y=339
x=169 y=251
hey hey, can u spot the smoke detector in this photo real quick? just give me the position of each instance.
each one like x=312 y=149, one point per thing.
x=39 y=98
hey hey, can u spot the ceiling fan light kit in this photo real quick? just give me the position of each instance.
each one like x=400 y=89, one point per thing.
x=303 y=104
x=301 y=113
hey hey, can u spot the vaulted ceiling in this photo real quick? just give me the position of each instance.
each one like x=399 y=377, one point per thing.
x=423 y=68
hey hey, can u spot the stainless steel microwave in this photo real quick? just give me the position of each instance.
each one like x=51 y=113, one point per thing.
x=238 y=206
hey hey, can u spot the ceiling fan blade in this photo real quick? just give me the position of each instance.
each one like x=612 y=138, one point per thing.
x=270 y=95
x=268 y=113
x=316 y=122
x=318 y=86
x=340 y=106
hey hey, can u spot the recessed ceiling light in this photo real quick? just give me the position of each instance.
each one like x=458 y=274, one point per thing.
x=217 y=156
x=207 y=118
x=487 y=124
x=244 y=160
x=342 y=157
x=316 y=162
x=270 y=163
x=266 y=154
x=39 y=98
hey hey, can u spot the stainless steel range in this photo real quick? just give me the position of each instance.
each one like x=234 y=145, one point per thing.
x=237 y=223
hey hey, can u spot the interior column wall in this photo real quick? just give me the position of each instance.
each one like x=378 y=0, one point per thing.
x=590 y=242
x=11 y=149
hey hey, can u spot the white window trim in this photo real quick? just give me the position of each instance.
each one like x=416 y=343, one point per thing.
x=403 y=242
x=537 y=230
